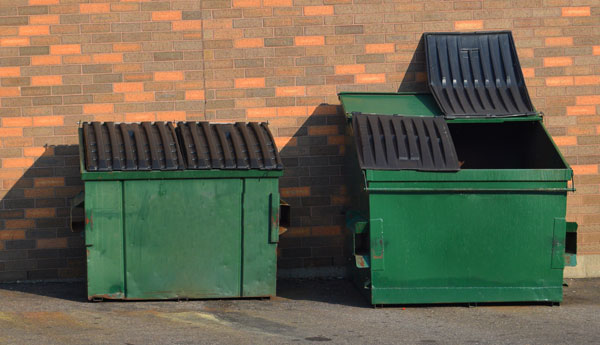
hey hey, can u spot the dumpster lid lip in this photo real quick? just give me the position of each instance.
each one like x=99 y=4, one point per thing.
x=429 y=107
x=503 y=102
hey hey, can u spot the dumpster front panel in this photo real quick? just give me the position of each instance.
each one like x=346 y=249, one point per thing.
x=260 y=237
x=183 y=238
x=448 y=247
x=104 y=239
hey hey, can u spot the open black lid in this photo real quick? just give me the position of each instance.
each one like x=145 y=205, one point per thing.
x=476 y=74
x=385 y=142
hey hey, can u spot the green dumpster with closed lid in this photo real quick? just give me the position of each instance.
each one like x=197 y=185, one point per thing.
x=180 y=211
x=458 y=196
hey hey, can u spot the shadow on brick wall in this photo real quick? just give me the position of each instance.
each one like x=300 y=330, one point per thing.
x=36 y=242
x=313 y=184
x=415 y=77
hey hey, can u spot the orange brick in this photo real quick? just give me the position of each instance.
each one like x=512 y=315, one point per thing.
x=249 y=82
x=309 y=40
x=370 y=78
x=468 y=24
x=39 y=192
x=9 y=92
x=45 y=60
x=326 y=230
x=10 y=71
x=139 y=97
x=587 y=100
x=43 y=2
x=65 y=49
x=48 y=182
x=323 y=130
x=557 y=61
x=581 y=110
x=590 y=169
x=558 y=41
x=528 y=72
x=34 y=30
x=44 y=19
x=14 y=41
x=246 y=3
x=171 y=116
x=128 y=87
x=168 y=76
x=139 y=117
x=288 y=91
x=565 y=140
x=576 y=11
x=16 y=121
x=40 y=212
x=596 y=50
x=336 y=140
x=15 y=234
x=292 y=111
x=126 y=47
x=11 y=132
x=291 y=192
x=17 y=162
x=94 y=8
x=77 y=59
x=587 y=80
x=194 y=95
x=45 y=80
x=248 y=43
x=318 y=10
x=559 y=81
x=349 y=69
x=45 y=121
x=186 y=25
x=37 y=151
x=379 y=48
x=282 y=142
x=166 y=15
x=261 y=112
x=98 y=108
x=107 y=58
x=277 y=3
x=45 y=243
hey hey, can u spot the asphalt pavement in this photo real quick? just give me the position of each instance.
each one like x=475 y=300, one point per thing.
x=304 y=312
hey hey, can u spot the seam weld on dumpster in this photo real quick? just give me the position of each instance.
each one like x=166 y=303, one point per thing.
x=178 y=212
x=470 y=206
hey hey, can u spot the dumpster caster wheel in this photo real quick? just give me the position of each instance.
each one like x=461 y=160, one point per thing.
x=472 y=305
x=97 y=299
x=555 y=304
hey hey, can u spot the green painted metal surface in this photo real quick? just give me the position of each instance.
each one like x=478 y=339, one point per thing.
x=415 y=104
x=475 y=235
x=181 y=238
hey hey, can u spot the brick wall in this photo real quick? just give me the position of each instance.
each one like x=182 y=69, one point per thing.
x=64 y=61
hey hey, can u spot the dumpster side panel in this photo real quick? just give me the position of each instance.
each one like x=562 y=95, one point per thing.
x=260 y=211
x=466 y=246
x=104 y=239
x=183 y=238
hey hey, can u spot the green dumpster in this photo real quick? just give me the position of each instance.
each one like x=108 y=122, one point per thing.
x=452 y=204
x=176 y=212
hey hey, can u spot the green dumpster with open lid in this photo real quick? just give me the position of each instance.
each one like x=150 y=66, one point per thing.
x=458 y=196
x=186 y=211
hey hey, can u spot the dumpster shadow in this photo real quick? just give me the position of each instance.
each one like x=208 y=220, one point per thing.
x=331 y=291
x=312 y=150
x=35 y=238
x=74 y=291
x=415 y=77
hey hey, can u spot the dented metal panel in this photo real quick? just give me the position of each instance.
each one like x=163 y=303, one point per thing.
x=476 y=74
x=404 y=142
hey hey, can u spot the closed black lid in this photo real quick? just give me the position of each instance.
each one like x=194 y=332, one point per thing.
x=387 y=142
x=476 y=74
x=228 y=146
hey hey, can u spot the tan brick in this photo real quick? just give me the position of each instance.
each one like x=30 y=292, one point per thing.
x=558 y=41
x=559 y=81
x=40 y=212
x=288 y=91
x=378 y=48
x=94 y=8
x=127 y=47
x=249 y=82
x=187 y=25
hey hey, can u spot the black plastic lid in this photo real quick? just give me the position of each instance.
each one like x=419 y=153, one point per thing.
x=228 y=146
x=131 y=146
x=387 y=142
x=476 y=74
